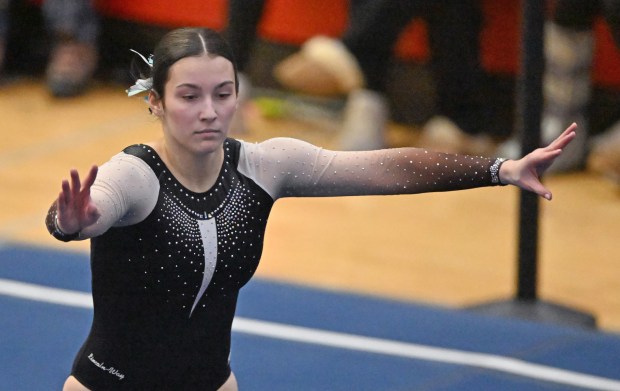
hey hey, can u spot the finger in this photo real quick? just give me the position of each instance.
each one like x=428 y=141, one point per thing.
x=545 y=160
x=75 y=183
x=61 y=202
x=90 y=179
x=563 y=139
x=542 y=191
x=571 y=128
x=65 y=194
x=561 y=142
x=551 y=155
x=542 y=155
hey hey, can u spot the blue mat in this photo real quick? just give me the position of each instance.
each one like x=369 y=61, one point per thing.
x=39 y=339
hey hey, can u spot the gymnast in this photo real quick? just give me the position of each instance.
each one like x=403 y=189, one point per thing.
x=177 y=225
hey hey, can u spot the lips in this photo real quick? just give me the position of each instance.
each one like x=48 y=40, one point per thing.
x=207 y=131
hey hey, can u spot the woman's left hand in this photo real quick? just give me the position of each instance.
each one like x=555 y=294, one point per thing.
x=525 y=172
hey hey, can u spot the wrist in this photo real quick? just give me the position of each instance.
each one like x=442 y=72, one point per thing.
x=498 y=176
x=59 y=234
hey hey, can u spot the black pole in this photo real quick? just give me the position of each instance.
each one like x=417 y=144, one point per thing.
x=529 y=104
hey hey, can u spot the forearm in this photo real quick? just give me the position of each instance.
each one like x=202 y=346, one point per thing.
x=412 y=171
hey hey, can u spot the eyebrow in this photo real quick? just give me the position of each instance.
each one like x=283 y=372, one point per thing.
x=197 y=87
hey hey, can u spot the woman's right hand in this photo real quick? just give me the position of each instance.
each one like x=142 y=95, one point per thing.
x=75 y=207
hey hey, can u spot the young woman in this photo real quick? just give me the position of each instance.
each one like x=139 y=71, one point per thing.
x=177 y=225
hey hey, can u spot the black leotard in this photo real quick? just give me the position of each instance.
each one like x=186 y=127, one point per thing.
x=167 y=263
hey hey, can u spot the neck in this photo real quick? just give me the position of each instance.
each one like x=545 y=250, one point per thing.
x=197 y=172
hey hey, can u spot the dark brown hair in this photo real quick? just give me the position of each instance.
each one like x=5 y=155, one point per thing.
x=187 y=42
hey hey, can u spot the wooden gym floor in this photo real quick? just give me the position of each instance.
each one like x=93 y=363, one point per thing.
x=452 y=249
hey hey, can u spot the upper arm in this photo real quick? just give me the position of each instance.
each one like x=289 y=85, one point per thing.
x=125 y=192
x=287 y=167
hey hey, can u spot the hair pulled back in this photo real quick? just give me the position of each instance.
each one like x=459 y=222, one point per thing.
x=187 y=42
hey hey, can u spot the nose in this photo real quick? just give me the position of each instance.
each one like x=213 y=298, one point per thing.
x=208 y=112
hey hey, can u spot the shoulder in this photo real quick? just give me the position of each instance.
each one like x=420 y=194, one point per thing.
x=144 y=153
x=134 y=166
x=276 y=147
x=278 y=164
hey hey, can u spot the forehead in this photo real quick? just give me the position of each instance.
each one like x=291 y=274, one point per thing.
x=201 y=70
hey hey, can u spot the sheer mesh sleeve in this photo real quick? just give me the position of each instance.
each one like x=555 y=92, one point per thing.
x=125 y=192
x=287 y=167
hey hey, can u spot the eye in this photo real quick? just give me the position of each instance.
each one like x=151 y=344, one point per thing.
x=189 y=97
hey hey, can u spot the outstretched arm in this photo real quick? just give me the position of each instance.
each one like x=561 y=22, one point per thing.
x=123 y=191
x=525 y=172
x=286 y=167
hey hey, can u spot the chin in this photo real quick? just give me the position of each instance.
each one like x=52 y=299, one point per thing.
x=209 y=146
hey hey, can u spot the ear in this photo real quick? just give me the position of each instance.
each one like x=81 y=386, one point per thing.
x=155 y=104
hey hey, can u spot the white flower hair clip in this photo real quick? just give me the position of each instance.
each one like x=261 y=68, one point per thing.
x=142 y=85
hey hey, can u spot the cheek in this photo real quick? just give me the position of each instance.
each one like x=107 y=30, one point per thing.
x=229 y=109
x=180 y=114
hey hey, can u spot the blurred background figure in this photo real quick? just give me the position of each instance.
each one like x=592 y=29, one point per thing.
x=241 y=33
x=74 y=26
x=357 y=66
x=567 y=86
x=604 y=154
x=71 y=29
x=4 y=28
